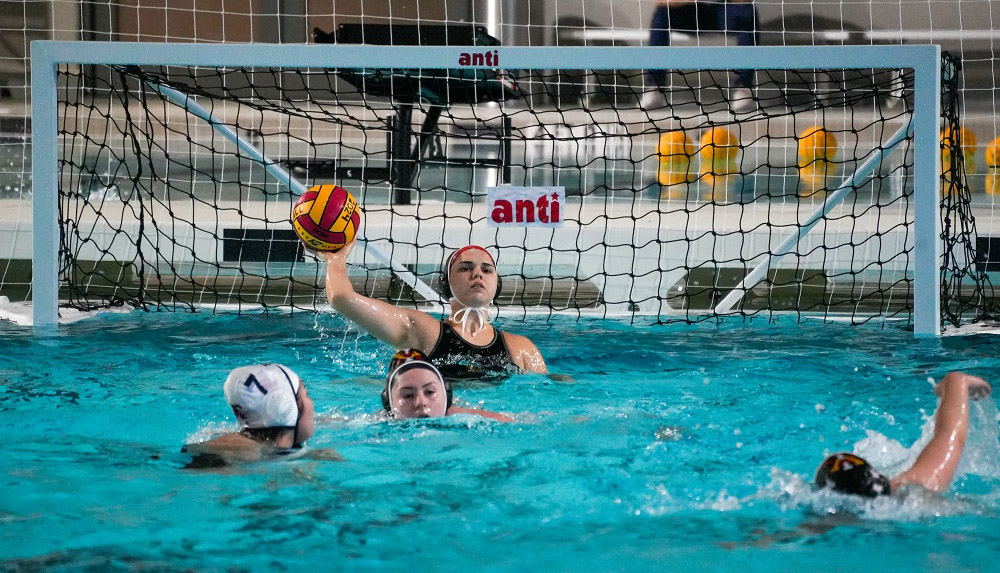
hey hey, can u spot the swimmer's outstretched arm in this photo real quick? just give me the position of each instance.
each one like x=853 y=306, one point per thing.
x=484 y=413
x=223 y=453
x=401 y=328
x=230 y=448
x=936 y=464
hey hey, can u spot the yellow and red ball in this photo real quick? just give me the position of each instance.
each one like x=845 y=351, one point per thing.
x=326 y=217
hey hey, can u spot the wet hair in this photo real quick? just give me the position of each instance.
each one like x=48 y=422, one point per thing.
x=406 y=360
x=851 y=474
x=265 y=434
x=443 y=280
x=270 y=434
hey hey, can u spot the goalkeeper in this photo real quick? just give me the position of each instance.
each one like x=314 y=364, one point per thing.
x=465 y=344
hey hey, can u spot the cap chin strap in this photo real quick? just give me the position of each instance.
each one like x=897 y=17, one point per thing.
x=298 y=409
x=466 y=314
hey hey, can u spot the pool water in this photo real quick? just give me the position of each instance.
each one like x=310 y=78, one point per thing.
x=674 y=447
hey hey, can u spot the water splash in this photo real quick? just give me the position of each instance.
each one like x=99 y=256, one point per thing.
x=982 y=449
x=791 y=492
x=211 y=430
x=981 y=456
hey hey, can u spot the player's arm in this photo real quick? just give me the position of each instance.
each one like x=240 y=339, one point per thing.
x=936 y=464
x=223 y=451
x=525 y=354
x=484 y=413
x=401 y=328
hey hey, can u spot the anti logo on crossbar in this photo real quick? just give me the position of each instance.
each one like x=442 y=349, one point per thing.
x=525 y=206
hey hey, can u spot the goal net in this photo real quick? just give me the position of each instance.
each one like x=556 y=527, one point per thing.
x=638 y=182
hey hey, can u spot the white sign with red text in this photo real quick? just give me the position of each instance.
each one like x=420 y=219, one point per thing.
x=525 y=206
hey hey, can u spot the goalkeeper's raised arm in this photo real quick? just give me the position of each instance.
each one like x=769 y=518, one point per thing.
x=465 y=344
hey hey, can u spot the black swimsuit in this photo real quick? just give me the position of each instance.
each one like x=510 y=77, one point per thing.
x=456 y=358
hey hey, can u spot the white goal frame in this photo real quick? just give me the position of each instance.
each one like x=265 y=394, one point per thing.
x=924 y=60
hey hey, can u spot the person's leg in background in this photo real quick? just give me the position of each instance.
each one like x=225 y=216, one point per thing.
x=659 y=35
x=680 y=16
x=740 y=19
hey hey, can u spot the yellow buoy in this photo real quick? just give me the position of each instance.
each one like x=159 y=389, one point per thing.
x=966 y=139
x=719 y=153
x=817 y=150
x=675 y=150
x=992 y=167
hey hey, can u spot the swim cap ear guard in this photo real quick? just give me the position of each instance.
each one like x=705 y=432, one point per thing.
x=848 y=473
x=443 y=275
x=405 y=360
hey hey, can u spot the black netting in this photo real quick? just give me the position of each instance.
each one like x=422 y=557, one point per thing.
x=966 y=291
x=675 y=190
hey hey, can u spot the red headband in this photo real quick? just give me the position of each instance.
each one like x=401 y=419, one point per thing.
x=455 y=255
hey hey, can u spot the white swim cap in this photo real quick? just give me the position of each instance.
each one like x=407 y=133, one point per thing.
x=264 y=396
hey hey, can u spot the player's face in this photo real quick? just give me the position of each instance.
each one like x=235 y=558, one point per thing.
x=418 y=393
x=473 y=278
x=307 y=412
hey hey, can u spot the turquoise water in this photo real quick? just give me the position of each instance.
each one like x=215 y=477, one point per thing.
x=675 y=447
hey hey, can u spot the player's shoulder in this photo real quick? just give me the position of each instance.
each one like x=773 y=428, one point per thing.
x=225 y=450
x=422 y=321
x=424 y=330
x=518 y=339
x=518 y=344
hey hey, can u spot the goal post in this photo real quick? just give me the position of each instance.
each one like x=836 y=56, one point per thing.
x=923 y=118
